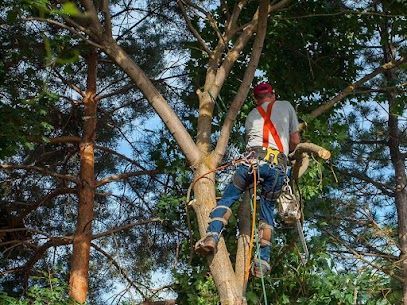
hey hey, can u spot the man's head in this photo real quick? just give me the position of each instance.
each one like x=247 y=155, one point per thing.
x=263 y=92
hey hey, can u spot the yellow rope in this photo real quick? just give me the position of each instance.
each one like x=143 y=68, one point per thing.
x=253 y=222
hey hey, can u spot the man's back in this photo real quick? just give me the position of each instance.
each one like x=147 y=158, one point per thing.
x=284 y=120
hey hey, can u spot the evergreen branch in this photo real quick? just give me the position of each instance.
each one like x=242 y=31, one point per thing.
x=124 y=176
x=43 y=171
x=351 y=88
x=360 y=256
x=47 y=198
x=120 y=269
x=387 y=256
x=64 y=26
x=381 y=186
x=126 y=227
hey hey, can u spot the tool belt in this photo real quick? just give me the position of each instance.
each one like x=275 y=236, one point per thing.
x=270 y=155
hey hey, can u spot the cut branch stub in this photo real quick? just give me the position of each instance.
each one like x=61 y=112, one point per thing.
x=301 y=154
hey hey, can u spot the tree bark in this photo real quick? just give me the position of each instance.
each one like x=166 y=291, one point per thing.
x=243 y=242
x=400 y=191
x=219 y=264
x=397 y=158
x=78 y=281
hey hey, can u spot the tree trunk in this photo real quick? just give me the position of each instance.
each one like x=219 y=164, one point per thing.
x=78 y=282
x=220 y=264
x=400 y=196
x=243 y=242
x=397 y=158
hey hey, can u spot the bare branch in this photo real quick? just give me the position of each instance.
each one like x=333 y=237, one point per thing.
x=70 y=84
x=119 y=91
x=192 y=29
x=235 y=16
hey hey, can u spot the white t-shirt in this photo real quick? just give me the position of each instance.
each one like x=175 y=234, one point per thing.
x=284 y=120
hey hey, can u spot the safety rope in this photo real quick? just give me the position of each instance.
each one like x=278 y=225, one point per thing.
x=254 y=209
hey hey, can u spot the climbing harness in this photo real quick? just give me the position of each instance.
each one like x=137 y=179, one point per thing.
x=268 y=127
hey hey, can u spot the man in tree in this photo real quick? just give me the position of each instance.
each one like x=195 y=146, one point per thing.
x=269 y=155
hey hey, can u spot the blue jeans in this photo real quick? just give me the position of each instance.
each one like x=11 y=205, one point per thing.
x=271 y=184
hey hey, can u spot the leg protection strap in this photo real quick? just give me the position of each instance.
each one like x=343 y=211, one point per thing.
x=226 y=215
x=221 y=219
x=265 y=234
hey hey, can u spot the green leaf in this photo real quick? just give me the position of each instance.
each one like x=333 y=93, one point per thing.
x=70 y=9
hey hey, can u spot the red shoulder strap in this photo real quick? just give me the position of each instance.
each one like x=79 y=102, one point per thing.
x=268 y=128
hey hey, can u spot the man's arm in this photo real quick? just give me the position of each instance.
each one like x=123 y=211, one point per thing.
x=294 y=140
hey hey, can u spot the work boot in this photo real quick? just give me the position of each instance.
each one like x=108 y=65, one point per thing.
x=207 y=245
x=260 y=268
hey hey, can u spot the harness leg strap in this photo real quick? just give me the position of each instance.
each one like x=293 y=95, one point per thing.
x=265 y=234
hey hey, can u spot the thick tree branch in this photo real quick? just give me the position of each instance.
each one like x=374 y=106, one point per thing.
x=245 y=85
x=310 y=148
x=234 y=17
x=157 y=101
x=107 y=18
x=92 y=14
